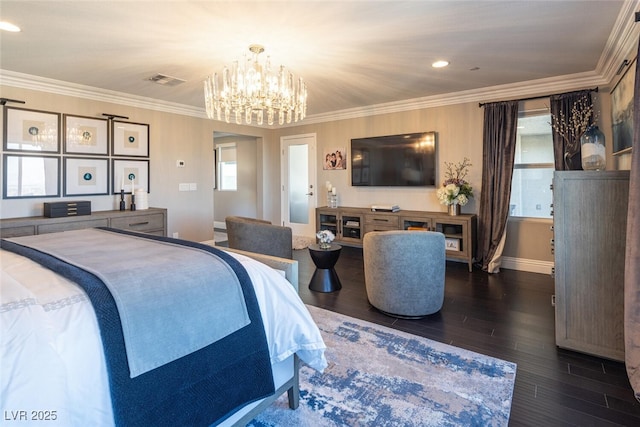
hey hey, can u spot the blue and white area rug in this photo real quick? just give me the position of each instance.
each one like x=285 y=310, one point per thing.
x=378 y=376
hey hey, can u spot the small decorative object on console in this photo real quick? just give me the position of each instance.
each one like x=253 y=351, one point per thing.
x=385 y=208
x=61 y=209
x=325 y=237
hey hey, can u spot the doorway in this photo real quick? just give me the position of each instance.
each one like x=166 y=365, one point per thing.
x=239 y=153
x=298 y=177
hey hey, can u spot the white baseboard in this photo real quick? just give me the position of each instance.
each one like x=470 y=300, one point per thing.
x=530 y=265
x=220 y=224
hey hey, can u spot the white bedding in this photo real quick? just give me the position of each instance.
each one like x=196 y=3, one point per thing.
x=51 y=359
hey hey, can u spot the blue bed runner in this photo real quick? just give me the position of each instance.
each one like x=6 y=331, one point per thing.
x=166 y=312
x=197 y=389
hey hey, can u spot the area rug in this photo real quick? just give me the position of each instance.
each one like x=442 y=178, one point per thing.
x=378 y=376
x=302 y=242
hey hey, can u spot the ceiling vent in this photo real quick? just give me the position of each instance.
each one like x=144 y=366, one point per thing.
x=164 y=80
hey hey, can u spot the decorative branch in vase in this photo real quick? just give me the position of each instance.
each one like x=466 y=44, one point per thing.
x=572 y=128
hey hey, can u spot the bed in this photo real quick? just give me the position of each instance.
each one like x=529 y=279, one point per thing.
x=54 y=367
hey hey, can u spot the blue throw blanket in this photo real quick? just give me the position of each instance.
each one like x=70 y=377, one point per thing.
x=166 y=312
x=197 y=389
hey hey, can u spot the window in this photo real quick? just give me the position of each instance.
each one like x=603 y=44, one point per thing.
x=533 y=168
x=227 y=168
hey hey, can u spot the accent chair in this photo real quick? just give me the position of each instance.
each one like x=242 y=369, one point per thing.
x=404 y=271
x=259 y=236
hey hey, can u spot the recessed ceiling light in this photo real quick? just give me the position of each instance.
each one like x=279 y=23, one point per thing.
x=440 y=64
x=8 y=26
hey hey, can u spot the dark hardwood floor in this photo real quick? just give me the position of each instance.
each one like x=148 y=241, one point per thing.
x=509 y=316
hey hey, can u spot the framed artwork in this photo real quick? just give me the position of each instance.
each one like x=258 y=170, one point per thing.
x=31 y=130
x=130 y=139
x=335 y=159
x=85 y=135
x=130 y=174
x=84 y=176
x=30 y=176
x=622 y=111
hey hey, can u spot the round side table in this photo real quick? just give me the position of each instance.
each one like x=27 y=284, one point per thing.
x=325 y=278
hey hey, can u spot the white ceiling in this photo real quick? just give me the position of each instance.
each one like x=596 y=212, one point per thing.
x=352 y=54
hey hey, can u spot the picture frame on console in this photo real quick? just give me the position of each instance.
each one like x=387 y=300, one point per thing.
x=43 y=179
x=84 y=176
x=126 y=170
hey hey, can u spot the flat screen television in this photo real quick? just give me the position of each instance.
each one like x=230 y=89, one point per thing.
x=407 y=160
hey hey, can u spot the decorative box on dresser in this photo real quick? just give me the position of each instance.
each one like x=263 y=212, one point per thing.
x=589 y=223
x=152 y=221
x=350 y=224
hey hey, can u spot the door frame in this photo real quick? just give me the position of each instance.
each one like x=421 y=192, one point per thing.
x=284 y=179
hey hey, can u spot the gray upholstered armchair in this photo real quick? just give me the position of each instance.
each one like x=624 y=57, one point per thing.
x=259 y=236
x=404 y=271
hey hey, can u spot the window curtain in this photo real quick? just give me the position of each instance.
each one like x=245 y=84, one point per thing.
x=566 y=154
x=499 y=147
x=632 y=255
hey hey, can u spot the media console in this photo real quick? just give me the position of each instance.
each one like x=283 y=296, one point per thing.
x=351 y=224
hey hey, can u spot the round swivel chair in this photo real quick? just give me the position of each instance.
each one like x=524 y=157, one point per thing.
x=404 y=272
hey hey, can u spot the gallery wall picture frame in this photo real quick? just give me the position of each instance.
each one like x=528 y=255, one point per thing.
x=86 y=176
x=128 y=173
x=85 y=135
x=130 y=139
x=30 y=176
x=31 y=130
x=622 y=111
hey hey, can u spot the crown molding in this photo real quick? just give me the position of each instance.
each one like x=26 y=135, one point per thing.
x=59 y=87
x=512 y=91
x=494 y=93
x=622 y=43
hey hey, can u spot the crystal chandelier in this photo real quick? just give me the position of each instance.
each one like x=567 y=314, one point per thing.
x=250 y=88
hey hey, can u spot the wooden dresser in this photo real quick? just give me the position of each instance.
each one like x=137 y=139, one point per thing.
x=590 y=227
x=152 y=221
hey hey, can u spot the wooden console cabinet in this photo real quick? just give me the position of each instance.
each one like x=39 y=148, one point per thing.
x=590 y=228
x=351 y=224
x=152 y=221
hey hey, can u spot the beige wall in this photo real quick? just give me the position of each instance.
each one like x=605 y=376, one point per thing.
x=459 y=134
x=191 y=214
x=172 y=137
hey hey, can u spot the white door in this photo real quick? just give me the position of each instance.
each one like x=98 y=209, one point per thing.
x=299 y=183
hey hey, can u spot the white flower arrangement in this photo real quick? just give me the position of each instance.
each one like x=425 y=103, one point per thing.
x=455 y=190
x=325 y=236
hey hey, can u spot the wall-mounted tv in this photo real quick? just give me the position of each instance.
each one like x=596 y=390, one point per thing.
x=407 y=160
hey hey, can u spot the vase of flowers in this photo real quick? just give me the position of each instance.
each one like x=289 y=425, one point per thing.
x=325 y=237
x=456 y=190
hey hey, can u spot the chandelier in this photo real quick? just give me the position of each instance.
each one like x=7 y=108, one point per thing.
x=251 y=89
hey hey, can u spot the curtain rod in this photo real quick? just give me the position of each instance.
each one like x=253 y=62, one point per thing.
x=482 y=104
